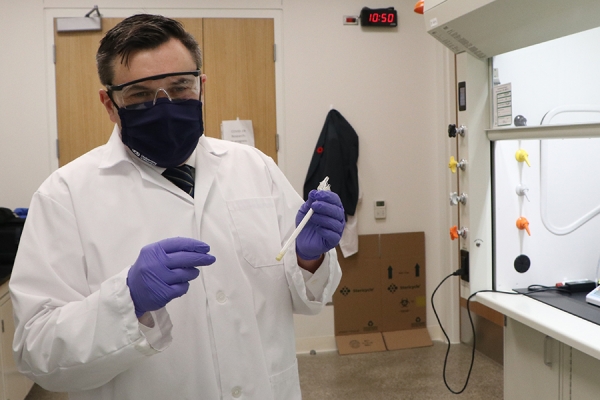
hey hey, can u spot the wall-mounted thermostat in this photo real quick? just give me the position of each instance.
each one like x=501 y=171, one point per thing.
x=380 y=209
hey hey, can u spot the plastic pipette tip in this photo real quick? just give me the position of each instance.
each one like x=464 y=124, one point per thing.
x=322 y=186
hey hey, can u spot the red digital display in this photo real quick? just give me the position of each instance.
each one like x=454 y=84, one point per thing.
x=379 y=17
x=384 y=18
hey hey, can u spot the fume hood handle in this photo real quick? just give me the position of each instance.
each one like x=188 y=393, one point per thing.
x=548 y=344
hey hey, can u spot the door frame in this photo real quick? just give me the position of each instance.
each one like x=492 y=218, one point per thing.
x=51 y=13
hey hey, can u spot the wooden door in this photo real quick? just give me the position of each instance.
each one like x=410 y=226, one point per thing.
x=240 y=68
x=82 y=120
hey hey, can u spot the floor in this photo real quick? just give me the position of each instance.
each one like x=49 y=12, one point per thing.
x=413 y=374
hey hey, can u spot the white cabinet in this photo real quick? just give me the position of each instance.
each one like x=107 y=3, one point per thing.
x=537 y=366
x=585 y=376
x=532 y=363
x=13 y=385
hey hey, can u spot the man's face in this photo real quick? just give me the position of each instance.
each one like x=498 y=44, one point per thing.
x=172 y=56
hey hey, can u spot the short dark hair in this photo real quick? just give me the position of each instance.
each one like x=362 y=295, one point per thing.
x=140 y=32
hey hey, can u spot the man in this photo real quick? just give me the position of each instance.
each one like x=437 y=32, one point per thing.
x=125 y=286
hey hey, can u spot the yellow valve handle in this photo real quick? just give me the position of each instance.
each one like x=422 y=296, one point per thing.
x=521 y=155
x=452 y=164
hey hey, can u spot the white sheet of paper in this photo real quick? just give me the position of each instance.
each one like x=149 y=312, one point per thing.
x=239 y=131
x=502 y=104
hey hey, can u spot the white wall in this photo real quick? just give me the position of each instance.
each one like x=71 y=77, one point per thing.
x=565 y=74
x=387 y=85
x=392 y=85
x=24 y=139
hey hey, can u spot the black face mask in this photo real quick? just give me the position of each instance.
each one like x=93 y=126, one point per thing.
x=165 y=134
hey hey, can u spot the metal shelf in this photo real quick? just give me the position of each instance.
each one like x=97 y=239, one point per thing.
x=545 y=132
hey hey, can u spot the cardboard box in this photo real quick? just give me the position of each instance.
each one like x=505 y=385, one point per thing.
x=381 y=302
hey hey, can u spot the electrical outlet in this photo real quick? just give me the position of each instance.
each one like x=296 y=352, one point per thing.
x=464 y=265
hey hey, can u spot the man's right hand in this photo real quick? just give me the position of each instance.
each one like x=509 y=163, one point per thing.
x=163 y=270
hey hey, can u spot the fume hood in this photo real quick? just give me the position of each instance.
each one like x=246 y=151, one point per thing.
x=549 y=351
x=485 y=28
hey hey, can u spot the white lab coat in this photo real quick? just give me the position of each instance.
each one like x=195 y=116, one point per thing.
x=230 y=336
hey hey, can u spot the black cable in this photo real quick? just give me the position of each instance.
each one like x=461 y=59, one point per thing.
x=530 y=289
x=448 y=341
x=542 y=288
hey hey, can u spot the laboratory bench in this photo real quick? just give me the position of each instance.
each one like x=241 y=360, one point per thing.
x=548 y=353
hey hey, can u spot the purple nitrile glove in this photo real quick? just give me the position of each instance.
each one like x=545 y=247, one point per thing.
x=162 y=271
x=324 y=229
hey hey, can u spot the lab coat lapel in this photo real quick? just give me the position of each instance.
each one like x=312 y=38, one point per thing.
x=116 y=152
x=208 y=160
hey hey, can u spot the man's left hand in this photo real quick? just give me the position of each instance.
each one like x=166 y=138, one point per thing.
x=324 y=228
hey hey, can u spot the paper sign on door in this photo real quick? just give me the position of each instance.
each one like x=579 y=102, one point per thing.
x=239 y=131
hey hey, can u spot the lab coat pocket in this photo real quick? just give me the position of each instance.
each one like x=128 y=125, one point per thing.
x=255 y=222
x=286 y=384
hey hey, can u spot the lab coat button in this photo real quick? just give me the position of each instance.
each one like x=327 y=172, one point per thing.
x=236 y=392
x=221 y=298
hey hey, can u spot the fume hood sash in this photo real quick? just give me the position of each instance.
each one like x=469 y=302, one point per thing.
x=485 y=28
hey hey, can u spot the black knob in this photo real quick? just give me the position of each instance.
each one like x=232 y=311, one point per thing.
x=520 y=120
x=522 y=263
x=452 y=130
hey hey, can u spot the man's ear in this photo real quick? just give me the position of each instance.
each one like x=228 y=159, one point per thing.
x=202 y=82
x=111 y=109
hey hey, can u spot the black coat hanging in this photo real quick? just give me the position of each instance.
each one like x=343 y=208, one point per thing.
x=335 y=156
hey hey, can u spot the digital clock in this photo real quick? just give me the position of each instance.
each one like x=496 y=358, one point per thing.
x=386 y=17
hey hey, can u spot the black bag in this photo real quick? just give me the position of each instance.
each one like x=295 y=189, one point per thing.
x=11 y=228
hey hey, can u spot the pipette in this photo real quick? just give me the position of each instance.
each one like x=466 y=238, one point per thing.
x=322 y=186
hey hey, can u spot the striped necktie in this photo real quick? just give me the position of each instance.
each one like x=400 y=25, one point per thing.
x=182 y=177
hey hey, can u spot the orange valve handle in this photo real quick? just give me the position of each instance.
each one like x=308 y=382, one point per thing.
x=454 y=232
x=419 y=6
x=522 y=223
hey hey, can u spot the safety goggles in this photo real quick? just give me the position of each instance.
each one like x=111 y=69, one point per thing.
x=142 y=93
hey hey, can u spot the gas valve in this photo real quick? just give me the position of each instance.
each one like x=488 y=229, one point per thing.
x=453 y=164
x=455 y=198
x=522 y=191
x=455 y=233
x=453 y=130
x=522 y=155
x=523 y=224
